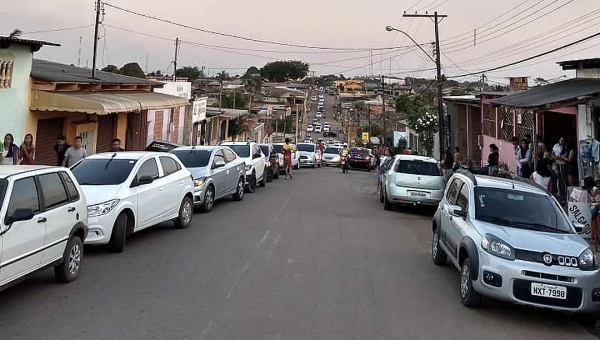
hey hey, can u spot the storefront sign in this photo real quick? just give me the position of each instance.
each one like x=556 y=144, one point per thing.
x=199 y=110
x=581 y=213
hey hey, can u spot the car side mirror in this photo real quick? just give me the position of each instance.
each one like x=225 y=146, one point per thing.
x=457 y=211
x=256 y=155
x=144 y=180
x=218 y=164
x=20 y=215
x=578 y=227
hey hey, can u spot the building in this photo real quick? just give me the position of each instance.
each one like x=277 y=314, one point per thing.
x=16 y=57
x=171 y=124
x=349 y=86
x=65 y=100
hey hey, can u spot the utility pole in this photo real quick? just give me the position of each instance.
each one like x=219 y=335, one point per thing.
x=175 y=61
x=96 y=25
x=382 y=141
x=442 y=122
x=221 y=90
x=79 y=53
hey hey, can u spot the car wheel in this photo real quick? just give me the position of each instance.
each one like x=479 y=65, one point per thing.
x=468 y=296
x=276 y=173
x=387 y=205
x=185 y=214
x=437 y=253
x=70 y=267
x=314 y=163
x=239 y=192
x=298 y=166
x=251 y=187
x=117 y=238
x=588 y=320
x=270 y=175
x=209 y=199
x=263 y=180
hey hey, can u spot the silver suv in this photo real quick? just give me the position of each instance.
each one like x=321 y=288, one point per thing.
x=512 y=241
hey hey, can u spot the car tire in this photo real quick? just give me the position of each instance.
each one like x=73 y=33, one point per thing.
x=70 y=267
x=387 y=205
x=438 y=255
x=184 y=219
x=119 y=232
x=314 y=163
x=276 y=173
x=251 y=186
x=263 y=181
x=240 y=190
x=209 y=200
x=298 y=166
x=468 y=296
x=270 y=175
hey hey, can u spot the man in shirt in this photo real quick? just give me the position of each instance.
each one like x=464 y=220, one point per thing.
x=60 y=148
x=75 y=153
x=116 y=145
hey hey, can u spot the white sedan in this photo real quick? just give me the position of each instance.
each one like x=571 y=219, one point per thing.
x=318 y=128
x=309 y=128
x=313 y=98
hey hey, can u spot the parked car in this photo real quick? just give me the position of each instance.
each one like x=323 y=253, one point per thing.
x=530 y=256
x=310 y=155
x=272 y=160
x=318 y=128
x=325 y=128
x=360 y=158
x=319 y=114
x=217 y=171
x=278 y=147
x=43 y=223
x=130 y=191
x=313 y=98
x=413 y=180
x=309 y=128
x=256 y=166
x=331 y=156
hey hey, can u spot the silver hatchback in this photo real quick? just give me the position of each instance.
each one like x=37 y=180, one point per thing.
x=415 y=180
x=512 y=241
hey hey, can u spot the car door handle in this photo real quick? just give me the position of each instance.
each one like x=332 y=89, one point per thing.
x=71 y=209
x=42 y=220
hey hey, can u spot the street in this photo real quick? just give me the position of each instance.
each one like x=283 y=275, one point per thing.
x=316 y=257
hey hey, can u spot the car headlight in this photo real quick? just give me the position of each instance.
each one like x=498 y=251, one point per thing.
x=588 y=260
x=199 y=182
x=102 y=208
x=248 y=167
x=497 y=247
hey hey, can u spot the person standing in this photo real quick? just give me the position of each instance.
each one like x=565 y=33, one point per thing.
x=524 y=158
x=287 y=149
x=27 y=150
x=116 y=145
x=493 y=160
x=571 y=165
x=382 y=168
x=60 y=148
x=75 y=153
x=10 y=152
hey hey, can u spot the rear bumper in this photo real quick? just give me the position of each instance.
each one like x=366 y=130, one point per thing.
x=359 y=163
x=401 y=195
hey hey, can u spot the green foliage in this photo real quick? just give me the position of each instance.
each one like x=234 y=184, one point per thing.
x=285 y=124
x=423 y=122
x=281 y=71
x=190 y=72
x=111 y=69
x=133 y=70
x=458 y=92
x=228 y=101
x=237 y=126
x=252 y=80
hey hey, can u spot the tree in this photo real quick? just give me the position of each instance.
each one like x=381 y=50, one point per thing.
x=157 y=73
x=374 y=130
x=539 y=81
x=252 y=80
x=237 y=126
x=284 y=124
x=223 y=76
x=111 y=69
x=458 y=92
x=235 y=100
x=190 y=72
x=133 y=70
x=281 y=71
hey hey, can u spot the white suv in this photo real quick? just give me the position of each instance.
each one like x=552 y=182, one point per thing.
x=256 y=166
x=131 y=191
x=43 y=222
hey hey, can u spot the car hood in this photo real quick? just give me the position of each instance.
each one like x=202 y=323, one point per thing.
x=95 y=194
x=198 y=172
x=306 y=153
x=562 y=244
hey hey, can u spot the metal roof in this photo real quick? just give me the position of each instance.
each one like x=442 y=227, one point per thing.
x=62 y=73
x=35 y=44
x=550 y=94
x=581 y=63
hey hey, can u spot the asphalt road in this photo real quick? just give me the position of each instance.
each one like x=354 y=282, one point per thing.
x=315 y=257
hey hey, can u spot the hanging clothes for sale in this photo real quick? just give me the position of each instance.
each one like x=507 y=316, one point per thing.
x=588 y=158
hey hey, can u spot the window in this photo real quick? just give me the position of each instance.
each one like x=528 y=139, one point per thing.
x=169 y=165
x=103 y=171
x=265 y=149
x=24 y=196
x=453 y=190
x=71 y=188
x=219 y=157
x=229 y=155
x=463 y=198
x=418 y=168
x=195 y=158
x=149 y=168
x=241 y=150
x=306 y=147
x=256 y=149
x=53 y=190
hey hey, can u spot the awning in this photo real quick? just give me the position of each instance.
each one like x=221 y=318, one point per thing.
x=103 y=103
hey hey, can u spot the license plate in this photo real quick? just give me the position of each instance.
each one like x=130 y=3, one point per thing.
x=418 y=194
x=548 y=291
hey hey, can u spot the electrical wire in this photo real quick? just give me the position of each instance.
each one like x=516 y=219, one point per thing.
x=429 y=5
x=242 y=37
x=59 y=29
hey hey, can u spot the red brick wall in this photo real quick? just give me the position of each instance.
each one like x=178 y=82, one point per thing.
x=158 y=125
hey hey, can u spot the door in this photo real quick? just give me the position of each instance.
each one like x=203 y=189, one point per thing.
x=48 y=131
x=60 y=215
x=219 y=175
x=457 y=224
x=446 y=218
x=23 y=242
x=233 y=168
x=150 y=202
x=106 y=126
x=173 y=184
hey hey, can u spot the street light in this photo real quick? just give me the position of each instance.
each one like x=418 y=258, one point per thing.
x=390 y=28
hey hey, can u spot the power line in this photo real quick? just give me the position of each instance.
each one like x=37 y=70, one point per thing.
x=59 y=29
x=242 y=37
x=529 y=58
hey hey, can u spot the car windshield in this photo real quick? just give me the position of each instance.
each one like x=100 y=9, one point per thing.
x=519 y=209
x=3 y=186
x=265 y=149
x=332 y=150
x=241 y=150
x=193 y=158
x=103 y=171
x=360 y=151
x=416 y=167
x=306 y=147
x=278 y=148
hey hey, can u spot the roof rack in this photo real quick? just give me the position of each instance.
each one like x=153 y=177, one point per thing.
x=528 y=181
x=468 y=174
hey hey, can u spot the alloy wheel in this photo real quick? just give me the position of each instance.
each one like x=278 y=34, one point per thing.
x=74 y=259
x=186 y=212
x=464 y=280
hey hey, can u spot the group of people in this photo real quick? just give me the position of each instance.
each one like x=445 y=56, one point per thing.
x=66 y=155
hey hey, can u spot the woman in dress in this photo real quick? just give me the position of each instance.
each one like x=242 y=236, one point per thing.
x=28 y=150
x=10 y=152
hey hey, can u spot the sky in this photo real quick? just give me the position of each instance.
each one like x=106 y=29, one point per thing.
x=348 y=37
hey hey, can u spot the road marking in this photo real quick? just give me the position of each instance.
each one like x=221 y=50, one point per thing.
x=237 y=282
x=262 y=240
x=207 y=329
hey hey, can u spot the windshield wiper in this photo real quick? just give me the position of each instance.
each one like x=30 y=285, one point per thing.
x=523 y=225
